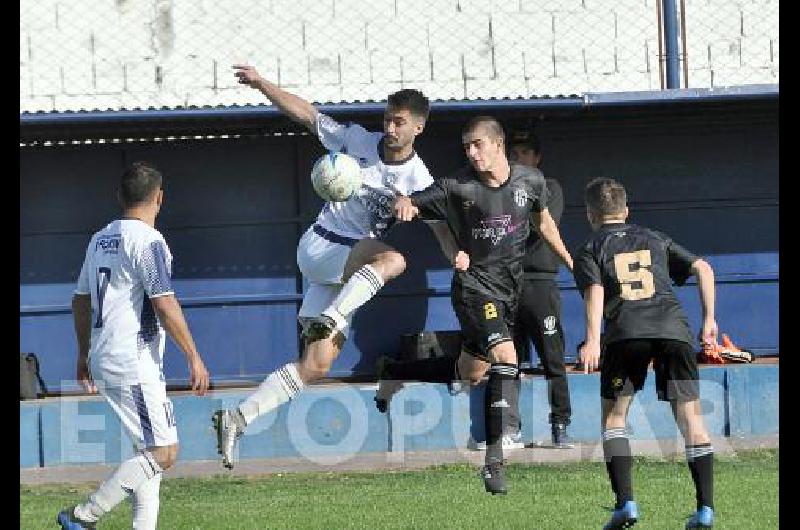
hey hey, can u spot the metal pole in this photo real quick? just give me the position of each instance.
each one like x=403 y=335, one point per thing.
x=684 y=54
x=671 y=43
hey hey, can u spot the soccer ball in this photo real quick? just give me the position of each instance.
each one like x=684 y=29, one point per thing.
x=336 y=176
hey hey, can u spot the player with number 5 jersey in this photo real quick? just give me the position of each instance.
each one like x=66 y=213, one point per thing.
x=637 y=267
x=625 y=274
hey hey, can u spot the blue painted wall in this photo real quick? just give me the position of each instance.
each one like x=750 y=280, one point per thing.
x=234 y=210
x=339 y=421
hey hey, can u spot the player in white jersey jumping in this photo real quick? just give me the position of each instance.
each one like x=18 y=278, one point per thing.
x=340 y=254
x=122 y=304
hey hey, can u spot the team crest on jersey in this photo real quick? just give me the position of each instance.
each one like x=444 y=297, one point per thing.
x=616 y=383
x=549 y=325
x=520 y=197
x=377 y=202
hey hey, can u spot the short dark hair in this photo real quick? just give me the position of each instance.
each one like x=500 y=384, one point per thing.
x=527 y=138
x=412 y=100
x=138 y=183
x=491 y=125
x=605 y=197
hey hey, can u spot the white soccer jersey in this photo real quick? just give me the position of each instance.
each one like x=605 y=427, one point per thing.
x=127 y=263
x=368 y=213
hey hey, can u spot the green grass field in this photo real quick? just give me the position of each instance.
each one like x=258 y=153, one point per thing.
x=565 y=496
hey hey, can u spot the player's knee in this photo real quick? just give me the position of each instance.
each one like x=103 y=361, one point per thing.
x=310 y=372
x=392 y=264
x=614 y=418
x=503 y=352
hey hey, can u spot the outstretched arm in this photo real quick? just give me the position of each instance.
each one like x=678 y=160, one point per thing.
x=297 y=108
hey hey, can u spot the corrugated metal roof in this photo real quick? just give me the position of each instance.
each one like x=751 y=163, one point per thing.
x=586 y=100
x=266 y=105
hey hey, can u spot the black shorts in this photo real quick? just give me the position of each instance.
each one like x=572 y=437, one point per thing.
x=625 y=363
x=485 y=321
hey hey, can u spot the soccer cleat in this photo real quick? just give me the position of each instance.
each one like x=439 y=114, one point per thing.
x=731 y=352
x=66 y=518
x=727 y=352
x=624 y=517
x=387 y=387
x=319 y=328
x=561 y=439
x=509 y=442
x=494 y=478
x=228 y=433
x=702 y=518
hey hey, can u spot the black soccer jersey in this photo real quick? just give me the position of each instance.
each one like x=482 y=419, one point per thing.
x=541 y=262
x=490 y=224
x=635 y=266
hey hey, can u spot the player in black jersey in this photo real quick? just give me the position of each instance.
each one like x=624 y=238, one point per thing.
x=625 y=273
x=489 y=207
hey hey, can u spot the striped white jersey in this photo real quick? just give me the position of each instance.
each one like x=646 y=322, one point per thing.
x=127 y=263
x=368 y=212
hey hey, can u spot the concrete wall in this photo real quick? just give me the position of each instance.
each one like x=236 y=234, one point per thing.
x=339 y=421
x=113 y=54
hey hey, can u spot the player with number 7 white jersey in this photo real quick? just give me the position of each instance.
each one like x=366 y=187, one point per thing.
x=127 y=264
x=122 y=306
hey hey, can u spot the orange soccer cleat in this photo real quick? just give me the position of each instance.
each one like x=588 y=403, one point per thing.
x=732 y=353
x=727 y=352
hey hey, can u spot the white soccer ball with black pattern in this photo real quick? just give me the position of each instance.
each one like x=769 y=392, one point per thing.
x=336 y=177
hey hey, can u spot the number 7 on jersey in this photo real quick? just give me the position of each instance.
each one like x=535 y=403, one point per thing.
x=103 y=277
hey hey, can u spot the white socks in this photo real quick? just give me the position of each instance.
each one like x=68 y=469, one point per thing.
x=279 y=387
x=145 y=504
x=128 y=477
x=359 y=289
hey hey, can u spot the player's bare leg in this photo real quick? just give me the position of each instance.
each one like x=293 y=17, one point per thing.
x=369 y=266
x=617 y=452
x=699 y=458
x=278 y=388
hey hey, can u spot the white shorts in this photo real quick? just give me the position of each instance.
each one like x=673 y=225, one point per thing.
x=144 y=410
x=321 y=260
x=322 y=263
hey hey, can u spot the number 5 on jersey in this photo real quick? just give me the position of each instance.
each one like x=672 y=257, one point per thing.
x=636 y=282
